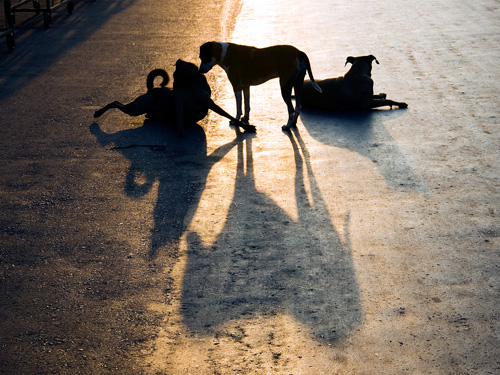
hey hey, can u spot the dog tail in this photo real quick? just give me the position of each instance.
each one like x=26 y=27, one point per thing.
x=305 y=59
x=150 y=82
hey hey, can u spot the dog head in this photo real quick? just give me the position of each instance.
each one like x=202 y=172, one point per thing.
x=361 y=64
x=210 y=54
x=184 y=66
x=187 y=74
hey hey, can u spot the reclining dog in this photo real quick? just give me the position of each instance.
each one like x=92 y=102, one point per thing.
x=188 y=101
x=156 y=104
x=351 y=92
x=249 y=66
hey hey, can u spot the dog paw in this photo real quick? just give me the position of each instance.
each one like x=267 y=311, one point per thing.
x=97 y=114
x=245 y=126
x=402 y=105
x=249 y=128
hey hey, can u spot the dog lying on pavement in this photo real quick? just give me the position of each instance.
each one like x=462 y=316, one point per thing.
x=353 y=91
x=249 y=66
x=156 y=104
x=188 y=101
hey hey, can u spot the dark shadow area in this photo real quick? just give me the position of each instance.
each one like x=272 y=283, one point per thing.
x=365 y=133
x=264 y=262
x=179 y=165
x=39 y=48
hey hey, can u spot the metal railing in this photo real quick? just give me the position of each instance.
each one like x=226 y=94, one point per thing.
x=33 y=7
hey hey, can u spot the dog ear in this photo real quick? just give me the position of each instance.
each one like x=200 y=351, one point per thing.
x=350 y=60
x=217 y=50
x=374 y=58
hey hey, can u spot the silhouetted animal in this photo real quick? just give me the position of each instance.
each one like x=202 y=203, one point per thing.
x=353 y=91
x=156 y=104
x=249 y=66
x=188 y=101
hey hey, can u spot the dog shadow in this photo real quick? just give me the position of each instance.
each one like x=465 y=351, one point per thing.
x=296 y=266
x=179 y=166
x=364 y=132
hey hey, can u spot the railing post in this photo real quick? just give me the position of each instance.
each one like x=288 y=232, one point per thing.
x=9 y=20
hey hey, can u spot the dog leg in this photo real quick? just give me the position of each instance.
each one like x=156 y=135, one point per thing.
x=286 y=93
x=297 y=88
x=214 y=107
x=237 y=95
x=115 y=104
x=137 y=107
x=376 y=103
x=246 y=96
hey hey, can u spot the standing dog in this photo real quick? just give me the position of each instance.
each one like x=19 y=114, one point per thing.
x=353 y=91
x=188 y=102
x=249 y=66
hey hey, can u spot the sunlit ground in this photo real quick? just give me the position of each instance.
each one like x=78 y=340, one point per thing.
x=246 y=342
x=365 y=183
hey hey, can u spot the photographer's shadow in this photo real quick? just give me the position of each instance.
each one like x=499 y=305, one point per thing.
x=364 y=132
x=265 y=262
x=179 y=165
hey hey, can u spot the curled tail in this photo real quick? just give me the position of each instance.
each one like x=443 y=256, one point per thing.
x=305 y=60
x=150 y=82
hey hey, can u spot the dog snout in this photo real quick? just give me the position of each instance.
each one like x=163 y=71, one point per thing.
x=204 y=68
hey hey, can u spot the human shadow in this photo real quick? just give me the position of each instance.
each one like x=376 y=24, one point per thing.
x=364 y=132
x=264 y=262
x=178 y=165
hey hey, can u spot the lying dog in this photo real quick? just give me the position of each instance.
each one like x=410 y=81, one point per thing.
x=249 y=66
x=156 y=104
x=188 y=102
x=353 y=91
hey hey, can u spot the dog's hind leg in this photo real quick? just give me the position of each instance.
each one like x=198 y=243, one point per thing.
x=286 y=94
x=297 y=88
x=135 y=108
x=100 y=112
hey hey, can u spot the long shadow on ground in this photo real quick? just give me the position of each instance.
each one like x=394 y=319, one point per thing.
x=301 y=268
x=179 y=165
x=366 y=134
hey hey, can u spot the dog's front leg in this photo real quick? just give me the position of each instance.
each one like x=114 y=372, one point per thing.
x=246 y=96
x=214 y=107
x=237 y=95
x=376 y=103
